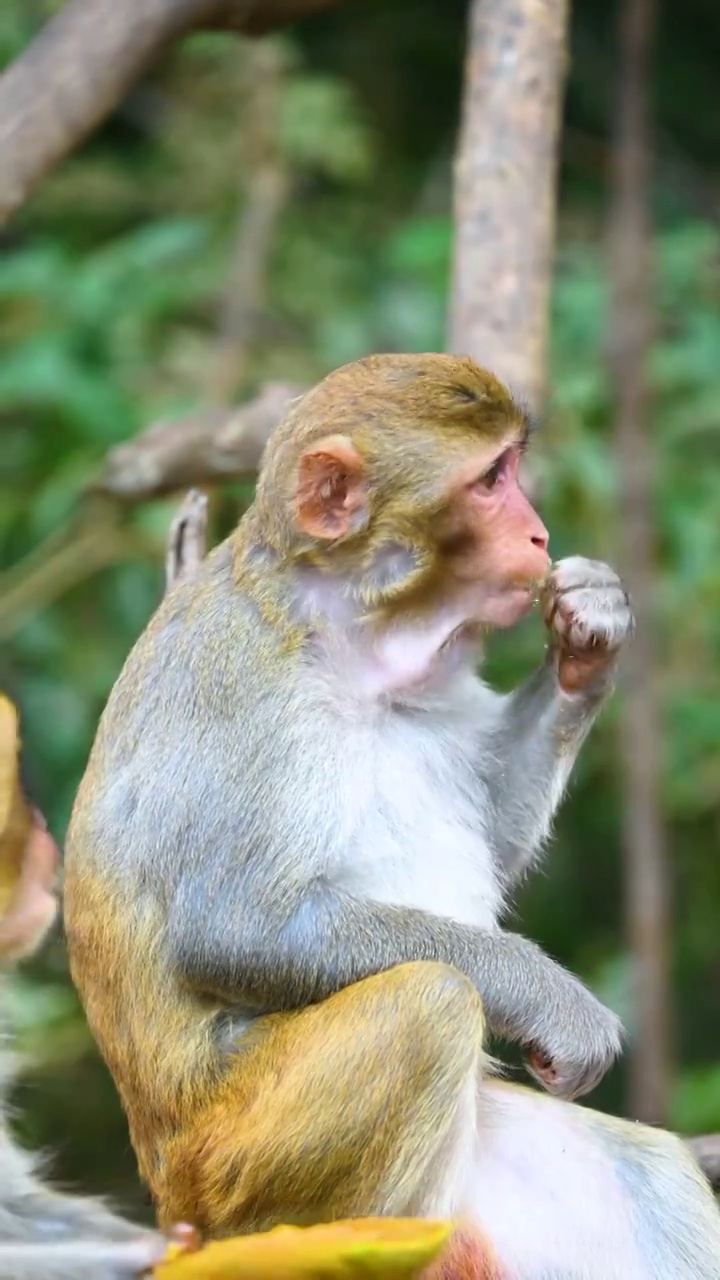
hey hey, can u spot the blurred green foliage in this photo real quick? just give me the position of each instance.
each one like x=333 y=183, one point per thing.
x=109 y=293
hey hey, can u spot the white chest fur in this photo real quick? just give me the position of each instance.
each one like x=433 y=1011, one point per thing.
x=417 y=808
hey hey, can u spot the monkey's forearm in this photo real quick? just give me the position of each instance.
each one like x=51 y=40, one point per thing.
x=538 y=735
x=331 y=940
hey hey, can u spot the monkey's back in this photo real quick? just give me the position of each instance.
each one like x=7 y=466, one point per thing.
x=225 y=748
x=180 y=735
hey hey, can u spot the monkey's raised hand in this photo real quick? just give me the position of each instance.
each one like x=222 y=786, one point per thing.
x=589 y=616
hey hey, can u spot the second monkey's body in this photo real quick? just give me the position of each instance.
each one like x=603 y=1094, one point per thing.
x=288 y=861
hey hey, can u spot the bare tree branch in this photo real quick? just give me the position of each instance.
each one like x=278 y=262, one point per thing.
x=630 y=326
x=258 y=17
x=207 y=447
x=86 y=59
x=266 y=184
x=505 y=188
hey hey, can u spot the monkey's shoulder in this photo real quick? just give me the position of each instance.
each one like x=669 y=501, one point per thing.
x=206 y=651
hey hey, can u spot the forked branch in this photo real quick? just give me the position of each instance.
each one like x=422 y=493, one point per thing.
x=207 y=447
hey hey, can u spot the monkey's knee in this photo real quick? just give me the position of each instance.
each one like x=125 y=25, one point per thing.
x=436 y=1006
x=379 y=1075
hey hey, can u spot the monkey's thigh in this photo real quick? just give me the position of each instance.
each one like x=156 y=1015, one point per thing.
x=361 y=1105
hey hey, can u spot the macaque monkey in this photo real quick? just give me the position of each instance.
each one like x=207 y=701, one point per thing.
x=301 y=824
x=45 y=1235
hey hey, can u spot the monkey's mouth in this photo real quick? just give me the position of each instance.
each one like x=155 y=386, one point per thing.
x=507 y=606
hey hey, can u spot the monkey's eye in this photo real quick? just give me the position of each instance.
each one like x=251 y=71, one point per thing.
x=492 y=477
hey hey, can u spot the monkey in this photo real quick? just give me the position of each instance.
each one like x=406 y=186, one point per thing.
x=44 y=1234
x=300 y=826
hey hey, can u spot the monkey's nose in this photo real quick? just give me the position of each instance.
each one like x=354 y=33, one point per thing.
x=540 y=537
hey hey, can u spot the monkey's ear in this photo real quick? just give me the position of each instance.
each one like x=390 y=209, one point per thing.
x=330 y=488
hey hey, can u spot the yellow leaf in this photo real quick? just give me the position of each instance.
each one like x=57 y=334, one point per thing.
x=349 y=1250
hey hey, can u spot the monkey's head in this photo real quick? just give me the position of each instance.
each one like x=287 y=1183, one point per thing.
x=400 y=472
x=28 y=854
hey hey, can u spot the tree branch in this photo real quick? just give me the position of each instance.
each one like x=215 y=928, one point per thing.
x=207 y=447
x=647 y=880
x=505 y=181
x=266 y=181
x=86 y=59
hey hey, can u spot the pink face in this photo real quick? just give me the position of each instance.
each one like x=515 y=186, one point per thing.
x=501 y=544
x=493 y=543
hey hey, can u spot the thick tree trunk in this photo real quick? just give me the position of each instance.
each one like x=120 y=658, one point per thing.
x=641 y=730
x=505 y=195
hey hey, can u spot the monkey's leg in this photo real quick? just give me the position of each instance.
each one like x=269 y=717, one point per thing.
x=362 y=1105
x=563 y=1191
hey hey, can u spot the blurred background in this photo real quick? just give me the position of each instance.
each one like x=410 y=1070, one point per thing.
x=309 y=176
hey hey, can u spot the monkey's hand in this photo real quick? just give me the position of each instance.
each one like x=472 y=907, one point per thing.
x=575 y=1052
x=588 y=614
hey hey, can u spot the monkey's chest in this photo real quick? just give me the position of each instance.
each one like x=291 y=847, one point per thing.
x=419 y=837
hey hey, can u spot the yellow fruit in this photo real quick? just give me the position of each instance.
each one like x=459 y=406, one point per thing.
x=348 y=1250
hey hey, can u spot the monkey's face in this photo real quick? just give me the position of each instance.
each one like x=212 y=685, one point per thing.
x=425 y=464
x=493 y=543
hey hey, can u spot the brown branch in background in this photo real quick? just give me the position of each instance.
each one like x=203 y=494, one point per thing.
x=207 y=447
x=505 y=198
x=266 y=183
x=647 y=891
x=86 y=59
x=88 y=549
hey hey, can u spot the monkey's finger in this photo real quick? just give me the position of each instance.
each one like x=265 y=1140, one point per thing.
x=186 y=1236
x=587 y=618
x=562 y=1080
x=579 y=571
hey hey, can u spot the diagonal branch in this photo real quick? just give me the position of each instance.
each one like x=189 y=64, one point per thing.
x=86 y=59
x=207 y=447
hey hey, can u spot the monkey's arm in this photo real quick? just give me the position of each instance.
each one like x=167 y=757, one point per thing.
x=527 y=759
x=285 y=950
x=534 y=736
